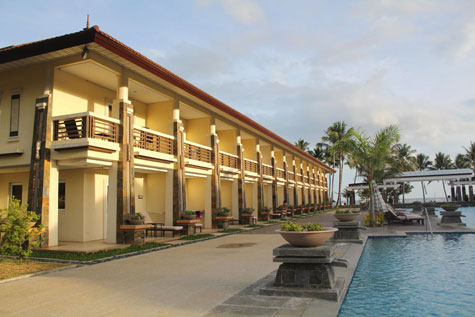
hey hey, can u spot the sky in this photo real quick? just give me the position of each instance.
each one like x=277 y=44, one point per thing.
x=298 y=66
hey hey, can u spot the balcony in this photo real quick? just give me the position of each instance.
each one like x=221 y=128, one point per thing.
x=85 y=130
x=299 y=178
x=267 y=170
x=291 y=176
x=86 y=125
x=250 y=166
x=280 y=173
x=228 y=160
x=197 y=152
x=153 y=141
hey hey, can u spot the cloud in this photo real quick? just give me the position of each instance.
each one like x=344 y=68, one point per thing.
x=244 y=11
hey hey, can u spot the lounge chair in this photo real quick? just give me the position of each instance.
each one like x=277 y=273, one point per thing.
x=404 y=217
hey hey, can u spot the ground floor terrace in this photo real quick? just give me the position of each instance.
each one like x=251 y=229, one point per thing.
x=218 y=277
x=83 y=201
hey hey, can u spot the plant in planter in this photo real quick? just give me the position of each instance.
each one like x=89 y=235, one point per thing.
x=450 y=206
x=136 y=219
x=189 y=215
x=281 y=209
x=309 y=235
x=266 y=209
x=248 y=211
x=223 y=212
x=346 y=214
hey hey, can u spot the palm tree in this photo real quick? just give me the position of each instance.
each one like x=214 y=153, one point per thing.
x=461 y=161
x=470 y=154
x=373 y=154
x=302 y=144
x=337 y=137
x=405 y=159
x=318 y=152
x=442 y=162
x=423 y=163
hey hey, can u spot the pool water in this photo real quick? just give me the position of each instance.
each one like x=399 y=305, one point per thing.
x=415 y=276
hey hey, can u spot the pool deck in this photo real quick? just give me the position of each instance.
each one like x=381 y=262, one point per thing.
x=218 y=277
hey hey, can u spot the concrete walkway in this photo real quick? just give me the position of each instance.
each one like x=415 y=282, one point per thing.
x=184 y=281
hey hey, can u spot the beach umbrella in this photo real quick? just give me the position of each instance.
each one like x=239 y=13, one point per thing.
x=377 y=199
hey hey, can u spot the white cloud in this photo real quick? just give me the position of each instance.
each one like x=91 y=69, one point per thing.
x=244 y=11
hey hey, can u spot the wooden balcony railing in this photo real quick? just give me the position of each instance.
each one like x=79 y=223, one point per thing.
x=196 y=152
x=267 y=170
x=85 y=126
x=291 y=176
x=280 y=173
x=228 y=160
x=299 y=178
x=152 y=141
x=250 y=166
x=305 y=179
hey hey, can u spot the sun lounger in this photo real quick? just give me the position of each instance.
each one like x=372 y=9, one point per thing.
x=399 y=216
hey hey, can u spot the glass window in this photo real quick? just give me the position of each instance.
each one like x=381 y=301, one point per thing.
x=15 y=115
x=17 y=191
x=62 y=195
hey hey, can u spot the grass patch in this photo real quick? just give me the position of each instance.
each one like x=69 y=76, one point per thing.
x=196 y=236
x=229 y=230
x=12 y=268
x=254 y=226
x=272 y=222
x=78 y=256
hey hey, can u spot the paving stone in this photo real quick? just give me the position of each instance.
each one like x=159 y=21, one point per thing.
x=231 y=310
x=257 y=301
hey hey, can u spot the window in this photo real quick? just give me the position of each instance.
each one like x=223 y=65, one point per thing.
x=62 y=195
x=15 y=115
x=16 y=190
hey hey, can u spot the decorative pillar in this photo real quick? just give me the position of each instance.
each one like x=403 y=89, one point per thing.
x=452 y=193
x=43 y=178
x=179 y=188
x=286 y=184
x=459 y=194
x=314 y=179
x=274 y=182
x=260 y=182
x=464 y=193
x=470 y=193
x=242 y=175
x=215 y=178
x=294 y=169
x=303 y=184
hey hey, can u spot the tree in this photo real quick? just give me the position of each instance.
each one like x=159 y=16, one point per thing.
x=318 y=152
x=302 y=144
x=405 y=159
x=423 y=163
x=19 y=235
x=442 y=162
x=337 y=137
x=461 y=161
x=470 y=154
x=373 y=154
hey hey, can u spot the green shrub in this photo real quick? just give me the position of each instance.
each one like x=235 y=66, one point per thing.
x=293 y=226
x=346 y=211
x=19 y=234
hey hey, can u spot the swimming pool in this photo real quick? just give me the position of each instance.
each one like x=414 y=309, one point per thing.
x=415 y=276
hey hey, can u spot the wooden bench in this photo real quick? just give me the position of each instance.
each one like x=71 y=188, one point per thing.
x=157 y=226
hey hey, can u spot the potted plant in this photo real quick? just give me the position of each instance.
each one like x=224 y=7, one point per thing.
x=346 y=214
x=248 y=211
x=266 y=209
x=189 y=215
x=223 y=212
x=280 y=209
x=309 y=235
x=450 y=206
x=136 y=219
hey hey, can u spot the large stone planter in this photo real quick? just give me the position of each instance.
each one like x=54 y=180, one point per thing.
x=450 y=207
x=307 y=238
x=346 y=217
x=136 y=221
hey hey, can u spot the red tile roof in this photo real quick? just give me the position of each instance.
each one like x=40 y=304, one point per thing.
x=94 y=34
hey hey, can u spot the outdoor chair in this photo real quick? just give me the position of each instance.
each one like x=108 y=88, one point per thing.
x=403 y=217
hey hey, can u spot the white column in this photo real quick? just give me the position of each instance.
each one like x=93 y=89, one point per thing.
x=208 y=209
x=53 y=232
x=235 y=203
x=111 y=230
x=254 y=197
x=169 y=199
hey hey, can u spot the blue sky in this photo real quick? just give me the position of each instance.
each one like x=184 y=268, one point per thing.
x=299 y=66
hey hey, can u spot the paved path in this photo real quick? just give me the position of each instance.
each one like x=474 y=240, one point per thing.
x=183 y=281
